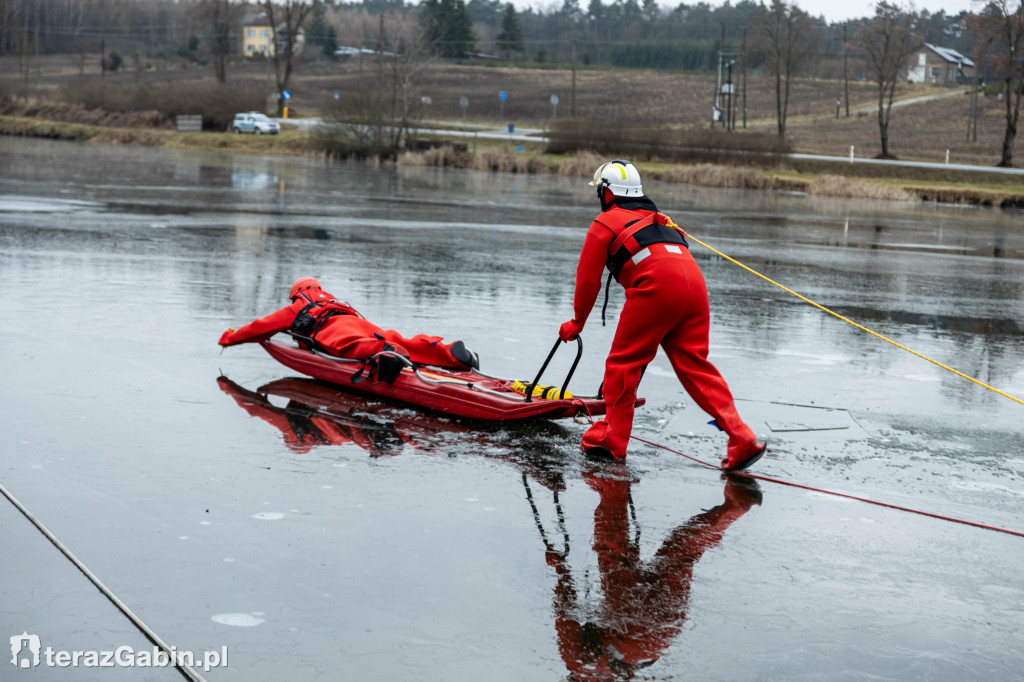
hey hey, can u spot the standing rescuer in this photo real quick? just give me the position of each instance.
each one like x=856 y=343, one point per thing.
x=666 y=304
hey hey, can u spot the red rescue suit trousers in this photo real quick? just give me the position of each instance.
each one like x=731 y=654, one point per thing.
x=666 y=305
x=348 y=336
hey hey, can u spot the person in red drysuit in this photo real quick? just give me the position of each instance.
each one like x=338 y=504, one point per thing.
x=643 y=602
x=666 y=304
x=338 y=329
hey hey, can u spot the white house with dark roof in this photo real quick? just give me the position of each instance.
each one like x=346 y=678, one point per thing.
x=939 y=66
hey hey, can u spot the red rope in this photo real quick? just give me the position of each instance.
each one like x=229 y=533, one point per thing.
x=837 y=494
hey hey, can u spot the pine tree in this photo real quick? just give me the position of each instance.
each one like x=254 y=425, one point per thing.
x=330 y=43
x=510 y=40
x=448 y=27
x=317 y=31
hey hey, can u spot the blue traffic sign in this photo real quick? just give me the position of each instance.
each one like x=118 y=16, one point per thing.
x=286 y=95
x=502 y=96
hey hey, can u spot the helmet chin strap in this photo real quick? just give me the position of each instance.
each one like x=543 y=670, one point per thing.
x=605 y=196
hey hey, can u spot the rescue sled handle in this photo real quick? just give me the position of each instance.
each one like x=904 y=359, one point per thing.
x=561 y=395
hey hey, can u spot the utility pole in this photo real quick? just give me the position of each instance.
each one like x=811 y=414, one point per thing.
x=743 y=72
x=839 y=95
x=972 y=117
x=718 y=82
x=846 y=75
x=572 y=100
x=730 y=115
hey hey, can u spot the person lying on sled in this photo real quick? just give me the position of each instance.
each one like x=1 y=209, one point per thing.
x=317 y=318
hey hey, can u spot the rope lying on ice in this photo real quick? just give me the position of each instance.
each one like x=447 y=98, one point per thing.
x=858 y=326
x=832 y=492
x=186 y=671
x=884 y=338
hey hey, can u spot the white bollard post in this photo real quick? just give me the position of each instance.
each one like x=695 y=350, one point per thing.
x=851 y=153
x=947 y=157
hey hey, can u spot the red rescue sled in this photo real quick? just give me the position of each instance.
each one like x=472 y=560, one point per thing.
x=468 y=394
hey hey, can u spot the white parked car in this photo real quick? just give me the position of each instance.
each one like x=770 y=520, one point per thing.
x=256 y=123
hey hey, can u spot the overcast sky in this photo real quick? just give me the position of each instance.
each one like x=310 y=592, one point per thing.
x=836 y=10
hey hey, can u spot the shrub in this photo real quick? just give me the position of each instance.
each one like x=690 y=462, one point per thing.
x=359 y=127
x=216 y=102
x=688 y=145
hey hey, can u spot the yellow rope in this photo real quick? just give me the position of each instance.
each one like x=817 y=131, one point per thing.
x=858 y=326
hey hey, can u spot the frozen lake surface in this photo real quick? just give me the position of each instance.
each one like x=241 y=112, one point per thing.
x=319 y=536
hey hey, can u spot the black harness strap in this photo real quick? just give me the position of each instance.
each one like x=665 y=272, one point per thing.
x=645 y=235
x=306 y=326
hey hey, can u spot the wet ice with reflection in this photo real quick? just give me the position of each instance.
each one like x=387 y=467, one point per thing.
x=119 y=379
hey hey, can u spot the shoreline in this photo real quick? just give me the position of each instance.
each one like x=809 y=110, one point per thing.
x=500 y=157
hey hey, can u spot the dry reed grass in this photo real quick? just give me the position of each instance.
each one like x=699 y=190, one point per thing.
x=496 y=159
x=506 y=160
x=838 y=186
x=33 y=127
x=710 y=175
x=581 y=164
x=69 y=112
x=440 y=157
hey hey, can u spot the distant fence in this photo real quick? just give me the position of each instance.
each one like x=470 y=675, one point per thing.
x=188 y=124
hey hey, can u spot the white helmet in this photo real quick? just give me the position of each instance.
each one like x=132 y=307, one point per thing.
x=621 y=177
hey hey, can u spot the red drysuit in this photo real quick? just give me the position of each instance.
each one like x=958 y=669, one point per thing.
x=346 y=334
x=643 y=601
x=667 y=305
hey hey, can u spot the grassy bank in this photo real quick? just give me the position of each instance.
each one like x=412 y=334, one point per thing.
x=843 y=180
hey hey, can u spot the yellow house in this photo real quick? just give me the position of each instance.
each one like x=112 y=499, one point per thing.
x=258 y=37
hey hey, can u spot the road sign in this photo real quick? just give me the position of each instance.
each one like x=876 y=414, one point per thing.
x=463 y=101
x=502 y=95
x=554 y=100
x=337 y=95
x=286 y=95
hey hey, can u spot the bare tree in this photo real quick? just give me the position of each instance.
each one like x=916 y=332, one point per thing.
x=1002 y=22
x=375 y=122
x=218 y=14
x=286 y=21
x=888 y=41
x=786 y=38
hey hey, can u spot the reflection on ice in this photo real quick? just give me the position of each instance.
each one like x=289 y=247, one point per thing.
x=642 y=605
x=16 y=204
